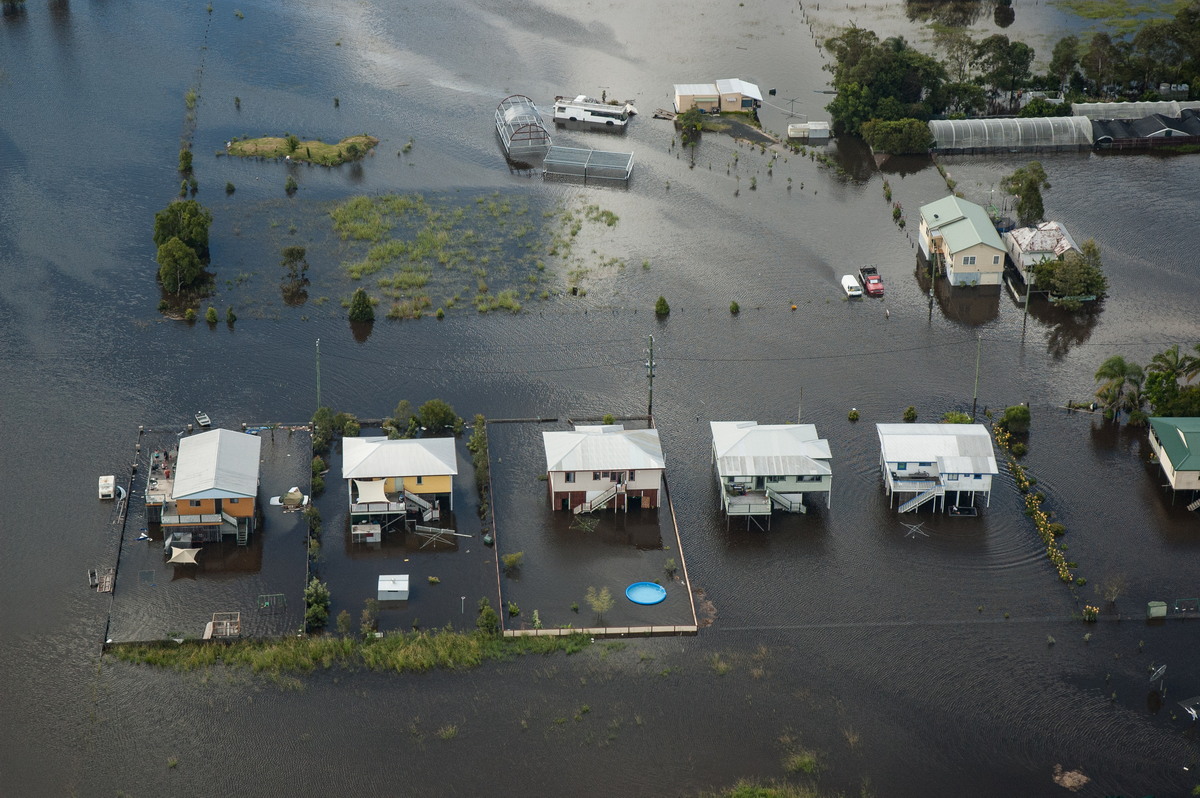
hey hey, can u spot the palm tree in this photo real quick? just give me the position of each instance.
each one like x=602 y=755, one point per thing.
x=1169 y=362
x=1191 y=365
x=1114 y=375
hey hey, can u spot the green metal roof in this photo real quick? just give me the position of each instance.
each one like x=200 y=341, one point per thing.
x=962 y=224
x=1180 y=439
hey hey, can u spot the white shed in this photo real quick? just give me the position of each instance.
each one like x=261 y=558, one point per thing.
x=393 y=587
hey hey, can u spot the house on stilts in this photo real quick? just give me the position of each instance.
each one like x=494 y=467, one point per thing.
x=603 y=466
x=1176 y=444
x=924 y=462
x=207 y=490
x=388 y=479
x=764 y=467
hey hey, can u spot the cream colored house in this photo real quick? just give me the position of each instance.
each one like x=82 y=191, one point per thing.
x=697 y=95
x=594 y=467
x=1176 y=443
x=959 y=235
x=738 y=95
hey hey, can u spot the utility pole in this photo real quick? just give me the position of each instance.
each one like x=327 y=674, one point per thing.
x=800 y=405
x=650 y=376
x=975 y=397
x=318 y=373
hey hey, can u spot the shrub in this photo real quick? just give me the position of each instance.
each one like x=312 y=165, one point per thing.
x=185 y=160
x=608 y=419
x=488 y=621
x=669 y=567
x=734 y=308
x=433 y=580
x=318 y=465
x=210 y=315
x=910 y=414
x=190 y=314
x=661 y=308
x=230 y=316
x=318 y=485
x=438 y=416
x=956 y=417
x=1015 y=419
x=601 y=601
x=290 y=185
x=512 y=561
x=513 y=609
x=1019 y=449
x=229 y=188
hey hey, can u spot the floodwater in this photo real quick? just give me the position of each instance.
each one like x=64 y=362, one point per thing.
x=918 y=663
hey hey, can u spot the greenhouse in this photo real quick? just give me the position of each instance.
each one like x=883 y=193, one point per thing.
x=519 y=124
x=1132 y=110
x=1011 y=135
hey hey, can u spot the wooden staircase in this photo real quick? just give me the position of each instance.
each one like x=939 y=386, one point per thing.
x=604 y=498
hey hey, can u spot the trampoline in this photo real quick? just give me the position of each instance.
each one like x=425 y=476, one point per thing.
x=645 y=593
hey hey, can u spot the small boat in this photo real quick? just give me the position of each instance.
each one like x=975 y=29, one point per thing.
x=108 y=487
x=202 y=419
x=850 y=286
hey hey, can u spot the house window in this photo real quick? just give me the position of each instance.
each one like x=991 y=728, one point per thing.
x=595 y=476
x=901 y=466
x=233 y=501
x=569 y=476
x=968 y=260
x=950 y=477
x=925 y=465
x=193 y=503
x=631 y=475
x=995 y=260
x=420 y=480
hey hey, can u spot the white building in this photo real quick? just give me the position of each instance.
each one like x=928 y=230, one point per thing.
x=384 y=476
x=931 y=460
x=761 y=467
x=592 y=467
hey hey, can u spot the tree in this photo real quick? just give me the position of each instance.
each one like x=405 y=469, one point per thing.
x=964 y=98
x=1006 y=64
x=959 y=49
x=1064 y=60
x=902 y=137
x=880 y=80
x=1116 y=376
x=178 y=266
x=291 y=143
x=361 y=310
x=601 y=601
x=1040 y=106
x=1101 y=61
x=294 y=262
x=437 y=416
x=1078 y=274
x=661 y=308
x=316 y=604
x=186 y=220
x=1026 y=184
x=690 y=124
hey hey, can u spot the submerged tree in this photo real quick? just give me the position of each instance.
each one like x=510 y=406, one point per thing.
x=361 y=310
x=186 y=220
x=179 y=267
x=1026 y=184
x=1076 y=277
x=1117 y=377
x=437 y=417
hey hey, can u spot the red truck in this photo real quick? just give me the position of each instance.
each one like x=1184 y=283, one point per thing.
x=871 y=281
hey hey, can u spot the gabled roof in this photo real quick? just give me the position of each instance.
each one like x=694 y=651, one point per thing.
x=378 y=457
x=219 y=464
x=956 y=448
x=1048 y=237
x=705 y=89
x=603 y=448
x=1156 y=125
x=750 y=449
x=962 y=224
x=1180 y=439
x=739 y=86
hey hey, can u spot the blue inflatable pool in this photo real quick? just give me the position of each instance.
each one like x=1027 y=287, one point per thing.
x=645 y=593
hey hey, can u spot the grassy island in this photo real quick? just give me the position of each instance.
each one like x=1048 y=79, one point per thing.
x=401 y=652
x=348 y=149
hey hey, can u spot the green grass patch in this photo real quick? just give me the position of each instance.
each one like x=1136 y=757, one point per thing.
x=401 y=652
x=348 y=149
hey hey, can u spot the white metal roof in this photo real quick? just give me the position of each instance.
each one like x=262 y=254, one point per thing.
x=703 y=89
x=372 y=458
x=219 y=464
x=747 y=448
x=957 y=448
x=739 y=86
x=603 y=448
